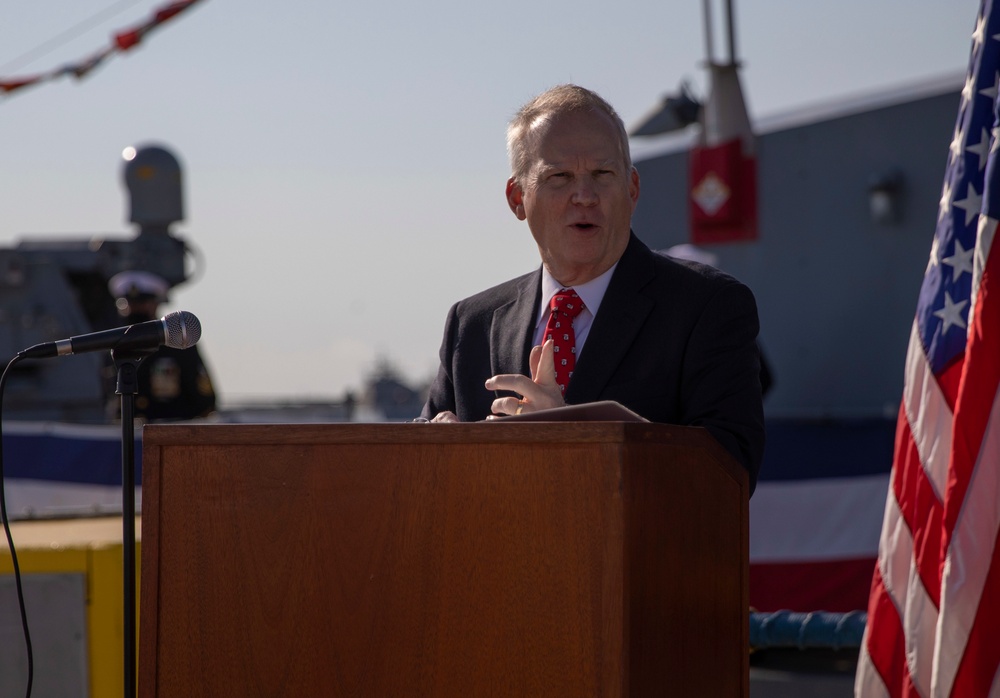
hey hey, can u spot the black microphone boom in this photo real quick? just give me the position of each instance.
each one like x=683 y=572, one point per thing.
x=179 y=330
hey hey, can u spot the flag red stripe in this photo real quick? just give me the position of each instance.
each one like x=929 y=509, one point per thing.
x=979 y=388
x=882 y=670
x=949 y=381
x=884 y=639
x=928 y=410
x=886 y=646
x=971 y=605
x=920 y=507
x=978 y=667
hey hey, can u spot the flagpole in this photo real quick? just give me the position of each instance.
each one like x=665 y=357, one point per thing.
x=709 y=49
x=731 y=30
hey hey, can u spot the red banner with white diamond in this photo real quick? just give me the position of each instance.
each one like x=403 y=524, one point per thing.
x=723 y=197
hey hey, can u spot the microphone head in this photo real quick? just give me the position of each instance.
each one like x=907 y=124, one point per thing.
x=182 y=329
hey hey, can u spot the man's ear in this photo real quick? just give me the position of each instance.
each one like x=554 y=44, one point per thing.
x=515 y=199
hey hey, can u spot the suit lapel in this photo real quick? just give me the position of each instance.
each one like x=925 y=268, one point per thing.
x=511 y=333
x=622 y=314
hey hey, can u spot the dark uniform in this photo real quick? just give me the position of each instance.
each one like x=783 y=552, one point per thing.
x=173 y=384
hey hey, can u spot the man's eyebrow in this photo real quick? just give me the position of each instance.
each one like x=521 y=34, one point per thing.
x=545 y=168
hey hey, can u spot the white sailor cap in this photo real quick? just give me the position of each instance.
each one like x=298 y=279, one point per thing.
x=138 y=285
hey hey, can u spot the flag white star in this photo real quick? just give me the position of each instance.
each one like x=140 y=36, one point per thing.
x=992 y=91
x=944 y=205
x=957 y=141
x=980 y=149
x=960 y=261
x=951 y=314
x=979 y=35
x=968 y=89
x=971 y=204
x=995 y=141
x=935 y=257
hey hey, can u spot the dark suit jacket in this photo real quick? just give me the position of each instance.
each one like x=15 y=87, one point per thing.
x=674 y=341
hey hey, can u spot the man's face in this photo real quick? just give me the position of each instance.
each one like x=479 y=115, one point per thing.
x=578 y=196
x=138 y=308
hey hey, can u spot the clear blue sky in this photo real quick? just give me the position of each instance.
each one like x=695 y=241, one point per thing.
x=342 y=160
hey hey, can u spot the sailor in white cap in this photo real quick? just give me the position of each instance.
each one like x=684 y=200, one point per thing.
x=174 y=384
x=131 y=283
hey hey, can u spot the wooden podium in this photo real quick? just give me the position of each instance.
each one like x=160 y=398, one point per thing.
x=489 y=559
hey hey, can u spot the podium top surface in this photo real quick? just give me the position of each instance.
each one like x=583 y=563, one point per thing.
x=492 y=433
x=497 y=432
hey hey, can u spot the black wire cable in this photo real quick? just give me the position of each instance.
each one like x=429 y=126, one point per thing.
x=10 y=539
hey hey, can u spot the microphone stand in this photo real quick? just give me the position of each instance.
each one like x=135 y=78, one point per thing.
x=127 y=363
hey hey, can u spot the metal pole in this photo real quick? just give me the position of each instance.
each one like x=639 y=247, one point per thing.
x=709 y=49
x=128 y=386
x=730 y=27
x=128 y=538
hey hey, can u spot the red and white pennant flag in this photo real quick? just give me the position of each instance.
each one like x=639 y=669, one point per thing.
x=122 y=41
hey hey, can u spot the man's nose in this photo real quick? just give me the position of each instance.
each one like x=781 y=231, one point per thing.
x=584 y=192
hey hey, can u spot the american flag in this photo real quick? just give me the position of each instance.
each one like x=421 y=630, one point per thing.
x=935 y=597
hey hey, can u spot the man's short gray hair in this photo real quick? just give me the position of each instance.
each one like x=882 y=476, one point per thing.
x=555 y=101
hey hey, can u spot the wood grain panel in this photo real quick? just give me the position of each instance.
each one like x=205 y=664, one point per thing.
x=440 y=560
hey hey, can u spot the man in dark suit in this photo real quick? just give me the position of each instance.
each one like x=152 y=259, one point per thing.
x=673 y=341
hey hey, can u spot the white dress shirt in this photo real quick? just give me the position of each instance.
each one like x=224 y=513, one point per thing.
x=591 y=293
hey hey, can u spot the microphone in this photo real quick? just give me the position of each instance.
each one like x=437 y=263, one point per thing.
x=178 y=330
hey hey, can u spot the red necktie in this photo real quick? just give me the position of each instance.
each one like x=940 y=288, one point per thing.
x=564 y=306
